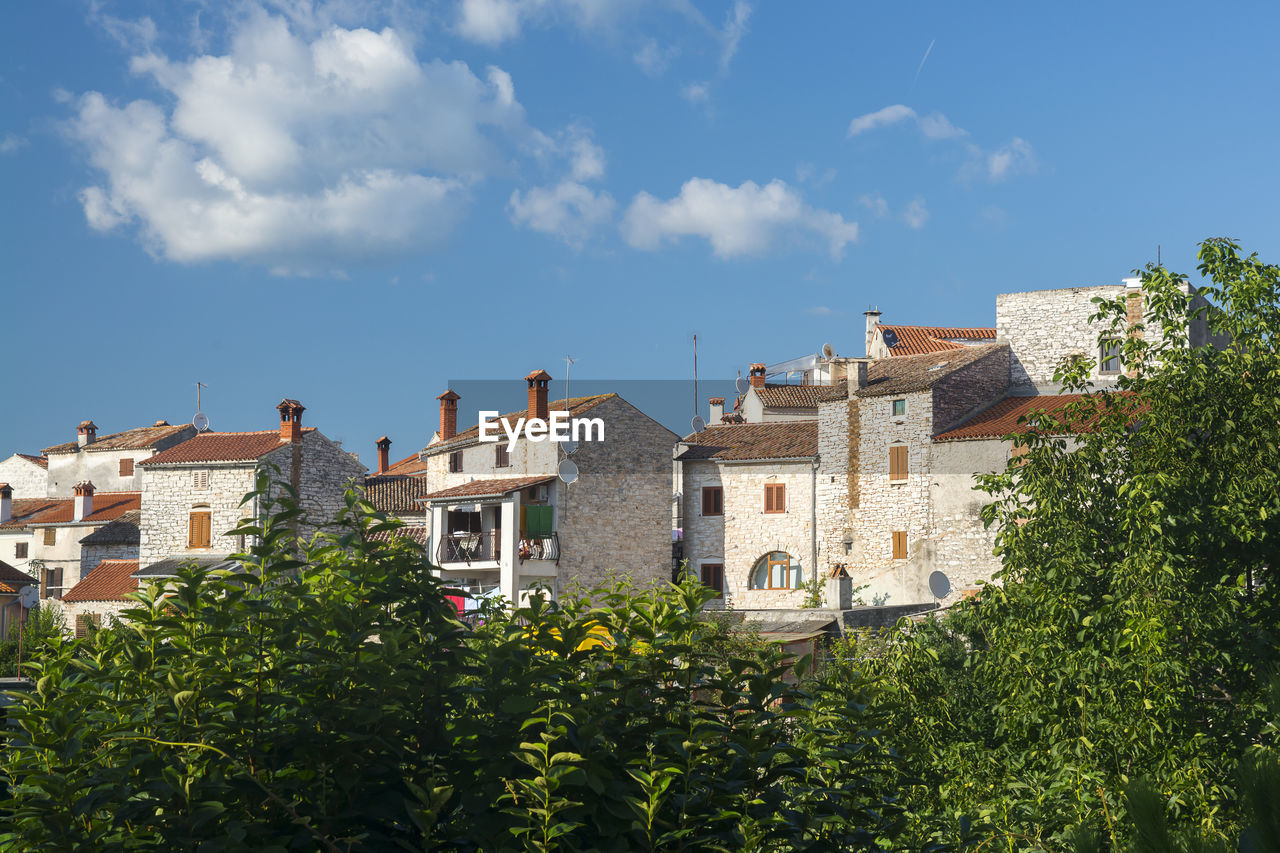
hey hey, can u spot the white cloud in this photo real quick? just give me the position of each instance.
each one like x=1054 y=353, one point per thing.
x=807 y=173
x=821 y=311
x=568 y=211
x=491 y=22
x=1015 y=158
x=737 y=221
x=735 y=28
x=937 y=126
x=11 y=142
x=653 y=58
x=131 y=35
x=880 y=118
x=294 y=152
x=586 y=159
x=696 y=93
x=875 y=203
x=916 y=214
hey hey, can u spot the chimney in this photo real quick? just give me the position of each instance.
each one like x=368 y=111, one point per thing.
x=86 y=433
x=757 y=375
x=84 y=500
x=538 y=394
x=858 y=375
x=161 y=423
x=290 y=420
x=384 y=447
x=873 y=320
x=448 y=414
x=6 y=502
x=717 y=410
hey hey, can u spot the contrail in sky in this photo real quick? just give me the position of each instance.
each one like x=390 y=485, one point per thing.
x=923 y=60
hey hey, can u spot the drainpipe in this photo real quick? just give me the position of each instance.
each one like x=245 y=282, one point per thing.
x=813 y=518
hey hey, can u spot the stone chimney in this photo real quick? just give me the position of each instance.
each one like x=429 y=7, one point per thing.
x=448 y=414
x=6 y=502
x=290 y=420
x=858 y=374
x=384 y=448
x=717 y=410
x=84 y=500
x=86 y=433
x=538 y=395
x=757 y=375
x=873 y=320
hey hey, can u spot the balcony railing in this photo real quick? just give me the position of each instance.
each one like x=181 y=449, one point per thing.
x=469 y=547
x=546 y=547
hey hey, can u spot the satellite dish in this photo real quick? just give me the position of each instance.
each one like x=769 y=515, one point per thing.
x=698 y=423
x=29 y=596
x=939 y=585
x=742 y=385
x=200 y=422
x=567 y=471
x=570 y=447
x=828 y=351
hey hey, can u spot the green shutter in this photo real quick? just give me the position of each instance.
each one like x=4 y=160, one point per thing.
x=537 y=520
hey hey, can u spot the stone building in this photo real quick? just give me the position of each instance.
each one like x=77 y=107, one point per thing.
x=102 y=596
x=110 y=461
x=397 y=489
x=748 y=511
x=26 y=474
x=501 y=519
x=192 y=491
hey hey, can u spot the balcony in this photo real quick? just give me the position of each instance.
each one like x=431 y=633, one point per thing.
x=470 y=548
x=542 y=547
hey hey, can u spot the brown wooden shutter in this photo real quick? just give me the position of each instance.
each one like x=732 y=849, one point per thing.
x=126 y=467
x=713 y=577
x=82 y=625
x=200 y=530
x=712 y=500
x=898 y=462
x=899 y=544
x=775 y=497
x=51 y=536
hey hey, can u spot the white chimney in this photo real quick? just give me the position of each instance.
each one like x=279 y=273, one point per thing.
x=84 y=500
x=86 y=433
x=717 y=410
x=873 y=319
x=6 y=502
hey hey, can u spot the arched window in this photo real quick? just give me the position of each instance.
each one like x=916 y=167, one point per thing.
x=776 y=570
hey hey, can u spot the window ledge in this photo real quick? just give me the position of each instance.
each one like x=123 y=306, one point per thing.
x=902 y=482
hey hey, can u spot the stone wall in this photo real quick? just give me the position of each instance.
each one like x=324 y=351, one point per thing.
x=1043 y=327
x=27 y=479
x=703 y=535
x=962 y=545
x=91 y=555
x=169 y=496
x=838 y=428
x=970 y=389
x=327 y=470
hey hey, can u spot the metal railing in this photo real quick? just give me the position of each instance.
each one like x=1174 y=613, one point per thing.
x=546 y=547
x=469 y=547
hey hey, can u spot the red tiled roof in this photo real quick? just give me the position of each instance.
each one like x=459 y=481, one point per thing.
x=408 y=465
x=42 y=461
x=488 y=488
x=221 y=447
x=576 y=406
x=784 y=440
x=916 y=340
x=790 y=396
x=13 y=580
x=110 y=580
x=920 y=372
x=107 y=506
x=131 y=439
x=395 y=494
x=416 y=532
x=1002 y=418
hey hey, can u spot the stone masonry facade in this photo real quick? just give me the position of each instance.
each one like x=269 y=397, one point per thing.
x=1043 y=327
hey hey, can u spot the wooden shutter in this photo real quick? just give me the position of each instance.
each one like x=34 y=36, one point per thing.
x=82 y=625
x=51 y=536
x=20 y=550
x=501 y=458
x=200 y=530
x=713 y=577
x=899 y=544
x=126 y=467
x=713 y=500
x=898 y=462
x=775 y=497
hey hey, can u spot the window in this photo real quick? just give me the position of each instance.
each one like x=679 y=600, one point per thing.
x=776 y=570
x=713 y=577
x=899 y=408
x=86 y=622
x=899 y=544
x=200 y=529
x=20 y=550
x=898 y=462
x=775 y=497
x=712 y=500
x=455 y=462
x=200 y=480
x=501 y=457
x=126 y=467
x=51 y=583
x=1109 y=357
x=51 y=536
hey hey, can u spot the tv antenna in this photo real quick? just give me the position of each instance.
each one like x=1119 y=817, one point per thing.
x=201 y=420
x=696 y=399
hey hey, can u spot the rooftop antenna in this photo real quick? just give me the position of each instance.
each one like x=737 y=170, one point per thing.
x=1157 y=254
x=201 y=420
x=698 y=423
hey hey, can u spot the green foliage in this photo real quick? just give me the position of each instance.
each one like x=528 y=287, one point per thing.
x=815 y=593
x=1131 y=626
x=42 y=629
x=328 y=698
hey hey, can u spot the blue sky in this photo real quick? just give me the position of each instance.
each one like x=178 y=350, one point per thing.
x=351 y=203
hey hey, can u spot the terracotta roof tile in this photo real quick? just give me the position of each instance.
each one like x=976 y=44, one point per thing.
x=416 y=532
x=408 y=465
x=13 y=580
x=790 y=396
x=920 y=372
x=395 y=494
x=576 y=406
x=917 y=340
x=131 y=439
x=221 y=447
x=110 y=580
x=42 y=461
x=1002 y=418
x=107 y=506
x=785 y=440
x=488 y=488
x=122 y=531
